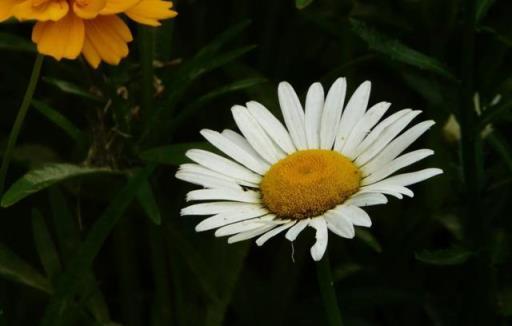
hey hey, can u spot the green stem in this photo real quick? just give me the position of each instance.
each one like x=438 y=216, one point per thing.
x=22 y=112
x=326 y=284
x=480 y=297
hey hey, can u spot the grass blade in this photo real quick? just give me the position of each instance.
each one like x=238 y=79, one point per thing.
x=45 y=246
x=398 y=51
x=16 y=269
x=75 y=274
x=41 y=178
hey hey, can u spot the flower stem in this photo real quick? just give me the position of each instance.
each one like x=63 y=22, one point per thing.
x=22 y=112
x=326 y=284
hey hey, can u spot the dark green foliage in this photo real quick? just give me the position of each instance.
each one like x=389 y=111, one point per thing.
x=90 y=230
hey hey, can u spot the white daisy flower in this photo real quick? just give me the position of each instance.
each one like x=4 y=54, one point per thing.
x=329 y=161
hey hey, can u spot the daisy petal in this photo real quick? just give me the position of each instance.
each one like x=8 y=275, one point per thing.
x=395 y=165
x=356 y=215
x=331 y=114
x=222 y=165
x=397 y=146
x=295 y=230
x=318 y=249
x=363 y=127
x=375 y=133
x=407 y=179
x=235 y=151
x=201 y=171
x=264 y=238
x=293 y=114
x=240 y=141
x=388 y=189
x=226 y=218
x=385 y=137
x=313 y=115
x=354 y=111
x=206 y=181
x=244 y=196
x=244 y=226
x=250 y=234
x=216 y=208
x=339 y=224
x=366 y=199
x=255 y=135
x=272 y=126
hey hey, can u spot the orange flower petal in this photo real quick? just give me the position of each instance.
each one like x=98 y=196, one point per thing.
x=88 y=9
x=106 y=39
x=118 y=6
x=6 y=8
x=60 y=39
x=41 y=11
x=150 y=12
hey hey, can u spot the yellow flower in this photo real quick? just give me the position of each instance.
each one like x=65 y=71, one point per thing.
x=68 y=28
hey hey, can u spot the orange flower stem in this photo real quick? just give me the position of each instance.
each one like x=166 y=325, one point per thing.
x=18 y=123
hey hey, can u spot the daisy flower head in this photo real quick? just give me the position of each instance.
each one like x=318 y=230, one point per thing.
x=68 y=28
x=317 y=170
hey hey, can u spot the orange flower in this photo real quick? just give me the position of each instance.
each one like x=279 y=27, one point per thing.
x=68 y=28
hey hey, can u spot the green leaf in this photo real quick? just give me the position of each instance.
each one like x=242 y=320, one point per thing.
x=80 y=264
x=41 y=178
x=66 y=229
x=301 y=4
x=44 y=245
x=500 y=145
x=68 y=237
x=195 y=106
x=59 y=120
x=482 y=8
x=444 y=257
x=398 y=51
x=73 y=89
x=368 y=239
x=16 y=269
x=147 y=200
x=172 y=154
x=13 y=42
x=493 y=113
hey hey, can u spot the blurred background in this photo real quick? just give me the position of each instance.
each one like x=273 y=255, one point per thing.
x=90 y=232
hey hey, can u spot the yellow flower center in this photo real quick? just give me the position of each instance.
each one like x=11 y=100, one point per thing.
x=308 y=183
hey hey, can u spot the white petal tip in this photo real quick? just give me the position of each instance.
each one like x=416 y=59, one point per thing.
x=316 y=255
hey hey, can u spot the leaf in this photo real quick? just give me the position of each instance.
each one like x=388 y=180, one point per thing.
x=301 y=4
x=59 y=120
x=147 y=200
x=81 y=263
x=444 y=257
x=500 y=145
x=44 y=245
x=368 y=239
x=68 y=237
x=72 y=89
x=194 y=107
x=15 y=43
x=493 y=113
x=172 y=154
x=14 y=268
x=398 y=51
x=41 y=178
x=482 y=8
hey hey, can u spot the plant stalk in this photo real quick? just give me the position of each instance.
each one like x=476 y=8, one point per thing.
x=20 y=118
x=326 y=284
